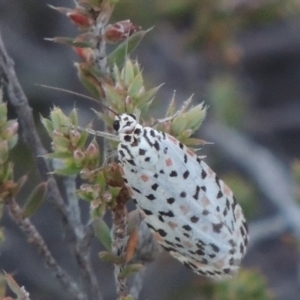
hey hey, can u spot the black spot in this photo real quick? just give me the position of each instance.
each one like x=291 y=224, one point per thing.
x=127 y=138
x=148 y=212
x=245 y=226
x=203 y=188
x=166 y=150
x=204 y=261
x=183 y=194
x=173 y=174
x=185 y=158
x=217 y=181
x=134 y=201
x=186 y=174
x=137 y=131
x=217 y=272
x=186 y=235
x=152 y=133
x=137 y=190
x=161 y=172
x=242 y=248
x=171 y=200
x=181 y=145
x=121 y=153
x=227 y=204
x=150 y=197
x=232 y=243
x=198 y=160
x=200 y=244
x=125 y=180
x=215 y=248
x=164 y=135
x=145 y=134
x=217 y=227
x=154 y=186
x=219 y=195
x=218 y=208
x=226 y=271
x=225 y=212
x=161 y=232
x=155 y=175
x=203 y=174
x=234 y=204
x=168 y=214
x=142 y=151
x=169 y=243
x=187 y=227
x=192 y=265
x=196 y=195
x=200 y=272
x=147 y=158
x=150 y=226
x=205 y=212
x=135 y=142
x=210 y=273
x=232 y=251
x=169 y=249
x=200 y=252
x=125 y=147
x=156 y=145
x=161 y=219
x=194 y=219
x=177 y=239
x=132 y=116
x=131 y=161
x=231 y=261
x=212 y=255
x=192 y=252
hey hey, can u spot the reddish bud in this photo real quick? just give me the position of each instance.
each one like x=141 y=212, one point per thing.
x=86 y=54
x=119 y=31
x=80 y=19
x=78 y=156
x=92 y=150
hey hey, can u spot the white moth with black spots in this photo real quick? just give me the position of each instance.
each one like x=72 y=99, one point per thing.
x=190 y=211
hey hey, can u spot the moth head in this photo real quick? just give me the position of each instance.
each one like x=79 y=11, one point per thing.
x=125 y=123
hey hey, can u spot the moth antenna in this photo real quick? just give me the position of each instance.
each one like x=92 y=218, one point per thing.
x=78 y=95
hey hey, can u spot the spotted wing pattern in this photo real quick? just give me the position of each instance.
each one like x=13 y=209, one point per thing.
x=191 y=212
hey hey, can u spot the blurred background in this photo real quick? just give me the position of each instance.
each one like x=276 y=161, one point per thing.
x=242 y=58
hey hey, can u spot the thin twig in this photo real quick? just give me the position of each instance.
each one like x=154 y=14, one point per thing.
x=18 y=100
x=84 y=238
x=119 y=230
x=35 y=238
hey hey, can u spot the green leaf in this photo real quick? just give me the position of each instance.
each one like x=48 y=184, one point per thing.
x=119 y=55
x=48 y=125
x=131 y=269
x=147 y=96
x=35 y=200
x=135 y=85
x=71 y=41
x=102 y=232
x=110 y=257
x=72 y=170
x=74 y=117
